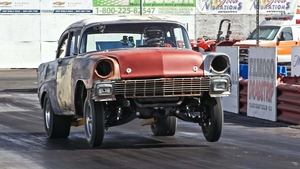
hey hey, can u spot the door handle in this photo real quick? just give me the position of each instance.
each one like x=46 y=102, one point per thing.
x=59 y=60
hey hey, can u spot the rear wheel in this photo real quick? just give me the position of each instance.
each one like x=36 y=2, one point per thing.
x=56 y=126
x=94 y=122
x=164 y=126
x=213 y=119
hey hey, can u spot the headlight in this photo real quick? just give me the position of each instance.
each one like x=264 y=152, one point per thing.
x=104 y=89
x=104 y=68
x=220 y=85
x=220 y=64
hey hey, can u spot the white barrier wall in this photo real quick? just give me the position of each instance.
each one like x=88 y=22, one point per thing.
x=28 y=40
x=19 y=41
x=262 y=83
x=52 y=26
x=295 y=61
x=231 y=103
x=30 y=28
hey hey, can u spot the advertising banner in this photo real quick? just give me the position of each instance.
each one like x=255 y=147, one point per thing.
x=169 y=7
x=246 y=6
x=262 y=83
x=295 y=61
x=274 y=6
x=67 y=6
x=231 y=103
x=19 y=6
x=222 y=6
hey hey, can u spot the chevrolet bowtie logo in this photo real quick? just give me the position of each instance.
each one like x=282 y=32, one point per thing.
x=58 y=3
x=5 y=3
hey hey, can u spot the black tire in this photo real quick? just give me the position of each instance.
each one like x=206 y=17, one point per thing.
x=164 y=126
x=212 y=127
x=56 y=126
x=94 y=122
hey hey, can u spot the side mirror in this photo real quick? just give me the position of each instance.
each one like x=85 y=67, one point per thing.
x=280 y=37
x=74 y=53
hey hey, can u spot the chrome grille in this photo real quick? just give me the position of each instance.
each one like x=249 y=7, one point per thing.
x=167 y=87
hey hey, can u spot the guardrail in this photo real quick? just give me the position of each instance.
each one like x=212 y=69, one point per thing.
x=288 y=100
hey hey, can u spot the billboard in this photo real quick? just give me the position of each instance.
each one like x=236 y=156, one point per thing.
x=295 y=61
x=246 y=6
x=222 y=6
x=19 y=6
x=169 y=7
x=231 y=103
x=67 y=6
x=262 y=83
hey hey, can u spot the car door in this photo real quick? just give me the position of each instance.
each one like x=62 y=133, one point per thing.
x=285 y=43
x=64 y=72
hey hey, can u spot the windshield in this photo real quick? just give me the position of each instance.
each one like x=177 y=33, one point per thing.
x=134 y=35
x=265 y=33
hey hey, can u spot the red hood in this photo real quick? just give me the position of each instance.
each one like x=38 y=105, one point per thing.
x=157 y=62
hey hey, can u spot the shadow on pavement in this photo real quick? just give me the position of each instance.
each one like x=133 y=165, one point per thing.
x=76 y=141
x=250 y=121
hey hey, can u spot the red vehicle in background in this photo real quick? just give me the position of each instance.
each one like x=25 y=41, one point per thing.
x=205 y=44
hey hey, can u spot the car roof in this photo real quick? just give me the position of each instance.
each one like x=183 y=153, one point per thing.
x=120 y=20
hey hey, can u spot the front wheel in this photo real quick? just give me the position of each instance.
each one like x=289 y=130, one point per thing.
x=94 y=122
x=213 y=119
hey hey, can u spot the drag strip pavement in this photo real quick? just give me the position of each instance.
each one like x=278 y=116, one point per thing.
x=246 y=143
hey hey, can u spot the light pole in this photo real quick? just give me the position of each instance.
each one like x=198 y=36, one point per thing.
x=141 y=7
x=257 y=21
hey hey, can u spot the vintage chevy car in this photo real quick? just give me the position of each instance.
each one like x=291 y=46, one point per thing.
x=107 y=73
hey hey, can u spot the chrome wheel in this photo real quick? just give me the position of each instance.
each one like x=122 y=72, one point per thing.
x=47 y=116
x=56 y=126
x=93 y=122
x=88 y=120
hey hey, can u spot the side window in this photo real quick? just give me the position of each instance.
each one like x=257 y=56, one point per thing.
x=286 y=34
x=179 y=37
x=62 y=48
x=73 y=47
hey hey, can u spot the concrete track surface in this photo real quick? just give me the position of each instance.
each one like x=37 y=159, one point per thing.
x=246 y=143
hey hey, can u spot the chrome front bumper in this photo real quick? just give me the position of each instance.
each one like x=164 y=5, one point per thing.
x=217 y=86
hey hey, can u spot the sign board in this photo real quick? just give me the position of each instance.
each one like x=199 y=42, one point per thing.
x=295 y=61
x=19 y=6
x=67 y=6
x=169 y=7
x=222 y=6
x=246 y=6
x=231 y=103
x=275 y=7
x=262 y=83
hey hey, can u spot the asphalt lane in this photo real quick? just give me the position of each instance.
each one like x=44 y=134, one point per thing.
x=245 y=143
x=18 y=79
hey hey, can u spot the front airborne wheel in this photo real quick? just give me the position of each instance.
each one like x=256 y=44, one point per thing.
x=213 y=123
x=94 y=122
x=56 y=126
x=164 y=126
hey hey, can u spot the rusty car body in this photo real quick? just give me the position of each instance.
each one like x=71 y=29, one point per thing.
x=107 y=73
